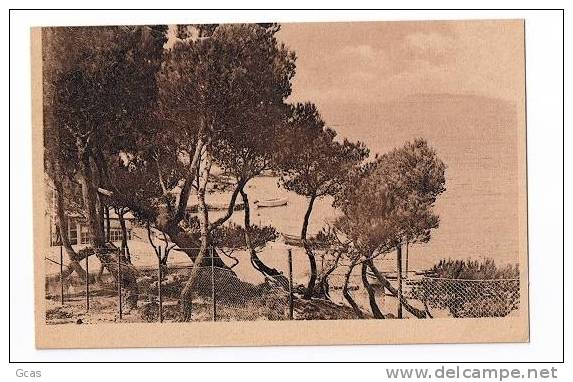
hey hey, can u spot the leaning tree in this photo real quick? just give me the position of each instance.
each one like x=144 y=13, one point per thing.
x=388 y=203
x=253 y=114
x=314 y=164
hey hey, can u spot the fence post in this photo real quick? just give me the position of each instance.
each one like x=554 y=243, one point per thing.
x=290 y=301
x=399 y=277
x=407 y=253
x=87 y=283
x=159 y=295
x=61 y=275
x=213 y=295
x=119 y=302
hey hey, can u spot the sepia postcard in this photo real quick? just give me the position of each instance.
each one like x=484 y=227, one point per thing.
x=280 y=184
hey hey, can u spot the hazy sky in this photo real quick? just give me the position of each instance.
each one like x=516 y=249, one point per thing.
x=371 y=62
x=457 y=84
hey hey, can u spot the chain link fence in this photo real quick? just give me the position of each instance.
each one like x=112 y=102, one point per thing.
x=462 y=298
x=219 y=294
x=437 y=297
x=73 y=298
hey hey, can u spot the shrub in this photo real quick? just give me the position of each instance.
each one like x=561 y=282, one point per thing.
x=471 y=288
x=474 y=270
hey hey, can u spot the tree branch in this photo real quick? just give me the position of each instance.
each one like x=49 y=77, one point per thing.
x=231 y=207
x=187 y=185
x=160 y=175
x=416 y=312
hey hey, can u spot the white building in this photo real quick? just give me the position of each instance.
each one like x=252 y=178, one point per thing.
x=78 y=230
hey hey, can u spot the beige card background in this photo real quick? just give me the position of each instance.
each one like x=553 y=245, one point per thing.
x=252 y=333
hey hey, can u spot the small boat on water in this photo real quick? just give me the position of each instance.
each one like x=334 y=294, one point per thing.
x=296 y=241
x=239 y=206
x=275 y=202
x=293 y=240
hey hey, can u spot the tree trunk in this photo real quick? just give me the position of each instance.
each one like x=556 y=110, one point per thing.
x=168 y=221
x=312 y=261
x=231 y=208
x=399 y=278
x=385 y=283
x=124 y=247
x=99 y=275
x=74 y=265
x=346 y=293
x=323 y=286
x=107 y=256
x=108 y=224
x=255 y=260
x=371 y=294
x=90 y=197
x=96 y=181
x=190 y=177
x=407 y=256
x=187 y=292
x=102 y=220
